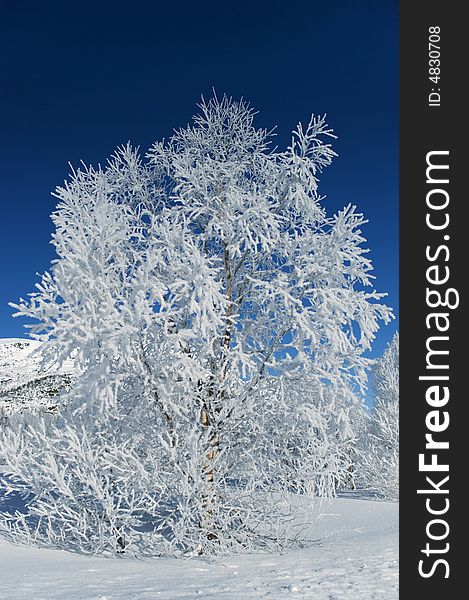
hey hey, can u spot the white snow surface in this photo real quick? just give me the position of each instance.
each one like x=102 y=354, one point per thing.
x=356 y=556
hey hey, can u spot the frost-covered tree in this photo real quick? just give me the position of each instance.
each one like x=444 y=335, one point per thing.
x=379 y=465
x=219 y=317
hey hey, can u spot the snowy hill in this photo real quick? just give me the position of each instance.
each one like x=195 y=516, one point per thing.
x=24 y=383
x=356 y=557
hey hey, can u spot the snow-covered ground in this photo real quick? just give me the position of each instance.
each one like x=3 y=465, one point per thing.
x=356 y=557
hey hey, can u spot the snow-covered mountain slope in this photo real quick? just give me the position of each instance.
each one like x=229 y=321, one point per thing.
x=24 y=383
x=18 y=360
x=355 y=558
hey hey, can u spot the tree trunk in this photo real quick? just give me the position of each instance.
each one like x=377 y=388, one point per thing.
x=207 y=519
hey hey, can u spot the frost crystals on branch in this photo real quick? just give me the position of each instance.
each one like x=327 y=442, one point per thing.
x=219 y=317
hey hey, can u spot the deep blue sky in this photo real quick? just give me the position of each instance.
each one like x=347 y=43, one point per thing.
x=78 y=79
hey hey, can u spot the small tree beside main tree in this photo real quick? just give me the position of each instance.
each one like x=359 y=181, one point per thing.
x=219 y=318
x=378 y=463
